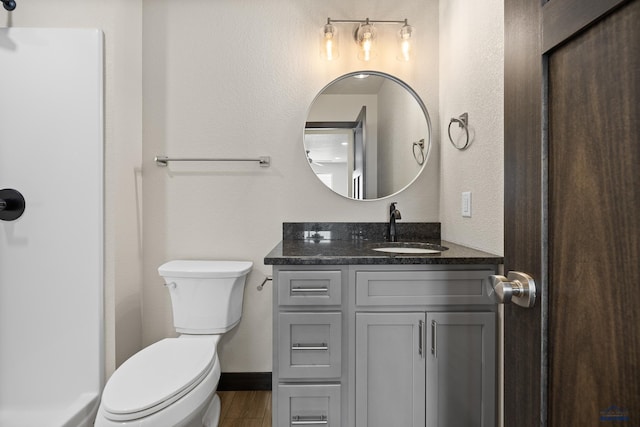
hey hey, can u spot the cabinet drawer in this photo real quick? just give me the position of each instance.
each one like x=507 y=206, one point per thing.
x=309 y=287
x=309 y=345
x=309 y=404
x=421 y=287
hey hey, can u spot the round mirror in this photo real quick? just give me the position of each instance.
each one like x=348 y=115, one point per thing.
x=367 y=135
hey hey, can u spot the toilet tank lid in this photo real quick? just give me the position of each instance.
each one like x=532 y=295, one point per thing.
x=204 y=268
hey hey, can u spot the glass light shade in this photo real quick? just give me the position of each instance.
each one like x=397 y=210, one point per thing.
x=329 y=42
x=406 y=43
x=365 y=38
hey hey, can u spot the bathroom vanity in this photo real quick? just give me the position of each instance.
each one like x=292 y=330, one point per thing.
x=369 y=338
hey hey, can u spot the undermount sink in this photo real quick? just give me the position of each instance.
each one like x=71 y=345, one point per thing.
x=409 y=248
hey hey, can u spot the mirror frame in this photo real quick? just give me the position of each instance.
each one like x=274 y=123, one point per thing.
x=421 y=105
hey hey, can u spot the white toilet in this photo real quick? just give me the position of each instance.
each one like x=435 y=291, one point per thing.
x=173 y=382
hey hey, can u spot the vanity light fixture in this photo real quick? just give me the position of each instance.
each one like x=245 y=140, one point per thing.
x=365 y=36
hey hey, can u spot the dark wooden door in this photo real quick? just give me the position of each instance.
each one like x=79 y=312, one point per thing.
x=572 y=211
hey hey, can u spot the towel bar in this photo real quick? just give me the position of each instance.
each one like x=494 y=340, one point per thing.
x=264 y=161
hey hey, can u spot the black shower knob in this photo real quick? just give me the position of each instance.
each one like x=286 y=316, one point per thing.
x=9 y=4
x=12 y=204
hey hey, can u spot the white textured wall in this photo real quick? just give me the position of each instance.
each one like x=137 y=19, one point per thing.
x=120 y=20
x=471 y=71
x=235 y=78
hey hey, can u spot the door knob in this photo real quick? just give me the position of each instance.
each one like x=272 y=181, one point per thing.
x=517 y=287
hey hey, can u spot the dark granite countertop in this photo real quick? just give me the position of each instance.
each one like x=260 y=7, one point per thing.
x=343 y=244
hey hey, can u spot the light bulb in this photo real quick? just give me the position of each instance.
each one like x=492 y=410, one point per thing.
x=365 y=37
x=366 y=49
x=329 y=42
x=406 y=43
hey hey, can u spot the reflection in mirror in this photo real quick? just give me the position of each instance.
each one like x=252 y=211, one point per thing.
x=362 y=135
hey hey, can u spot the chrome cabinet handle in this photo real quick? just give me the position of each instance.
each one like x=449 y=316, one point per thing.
x=421 y=338
x=323 y=346
x=319 y=290
x=517 y=287
x=309 y=420
x=434 y=338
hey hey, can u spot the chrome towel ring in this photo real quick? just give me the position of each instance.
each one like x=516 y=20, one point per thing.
x=420 y=156
x=462 y=121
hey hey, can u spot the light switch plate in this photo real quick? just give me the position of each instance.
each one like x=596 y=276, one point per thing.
x=466 y=204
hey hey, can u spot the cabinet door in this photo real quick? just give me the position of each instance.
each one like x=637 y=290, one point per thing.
x=461 y=366
x=390 y=369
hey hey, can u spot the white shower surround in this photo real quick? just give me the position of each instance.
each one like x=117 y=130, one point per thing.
x=51 y=259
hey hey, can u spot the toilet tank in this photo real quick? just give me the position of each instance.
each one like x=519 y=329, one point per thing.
x=206 y=296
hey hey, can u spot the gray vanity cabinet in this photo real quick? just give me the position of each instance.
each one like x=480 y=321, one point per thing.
x=384 y=345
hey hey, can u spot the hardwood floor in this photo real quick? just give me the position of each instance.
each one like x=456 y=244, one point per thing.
x=245 y=408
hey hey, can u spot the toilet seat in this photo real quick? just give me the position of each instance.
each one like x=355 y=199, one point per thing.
x=157 y=376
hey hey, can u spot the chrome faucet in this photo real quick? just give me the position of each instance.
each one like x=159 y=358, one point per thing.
x=394 y=214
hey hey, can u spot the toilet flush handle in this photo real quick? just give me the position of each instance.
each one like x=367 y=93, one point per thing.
x=171 y=285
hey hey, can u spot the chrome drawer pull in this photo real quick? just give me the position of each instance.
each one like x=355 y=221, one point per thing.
x=322 y=346
x=309 y=420
x=421 y=339
x=318 y=290
x=434 y=338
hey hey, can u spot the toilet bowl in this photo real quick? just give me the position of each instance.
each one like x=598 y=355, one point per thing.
x=173 y=382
